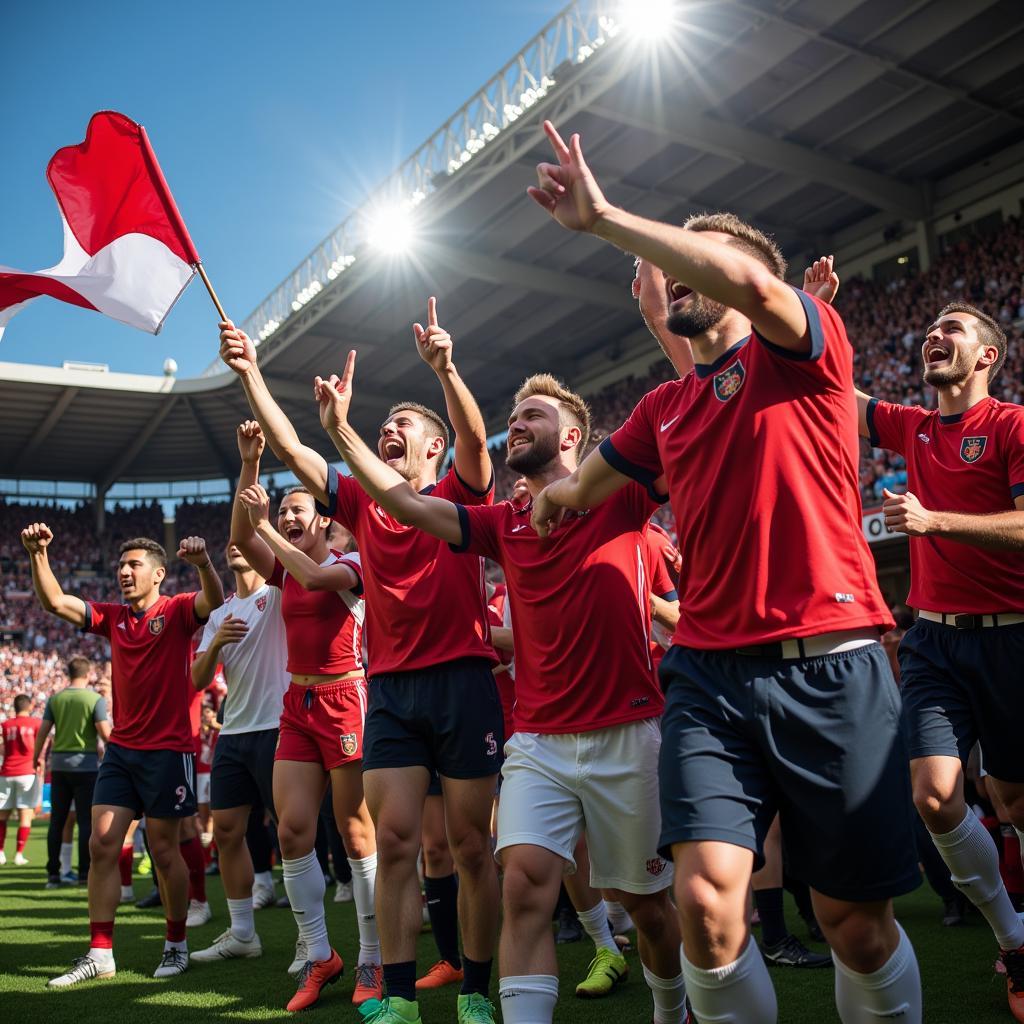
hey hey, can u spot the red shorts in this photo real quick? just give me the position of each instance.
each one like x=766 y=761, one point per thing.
x=323 y=723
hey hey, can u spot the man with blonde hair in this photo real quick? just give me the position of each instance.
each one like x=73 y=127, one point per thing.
x=587 y=699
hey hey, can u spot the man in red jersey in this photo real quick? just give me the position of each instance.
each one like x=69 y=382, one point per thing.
x=20 y=784
x=587 y=701
x=433 y=703
x=778 y=695
x=960 y=661
x=149 y=765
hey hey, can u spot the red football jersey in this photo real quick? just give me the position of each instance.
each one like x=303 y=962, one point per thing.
x=424 y=605
x=581 y=616
x=656 y=547
x=505 y=680
x=759 y=453
x=151 y=657
x=972 y=462
x=323 y=628
x=19 y=744
x=204 y=756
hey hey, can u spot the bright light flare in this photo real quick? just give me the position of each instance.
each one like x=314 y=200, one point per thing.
x=390 y=229
x=647 y=19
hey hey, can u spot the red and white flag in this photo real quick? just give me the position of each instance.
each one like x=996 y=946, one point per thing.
x=127 y=252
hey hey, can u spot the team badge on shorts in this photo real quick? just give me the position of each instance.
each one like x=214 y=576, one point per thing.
x=261 y=603
x=655 y=866
x=349 y=744
x=728 y=382
x=156 y=625
x=972 y=448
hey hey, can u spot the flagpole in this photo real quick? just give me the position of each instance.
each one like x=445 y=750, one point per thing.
x=209 y=288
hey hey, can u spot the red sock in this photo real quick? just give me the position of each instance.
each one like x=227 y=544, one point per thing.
x=176 y=930
x=192 y=851
x=124 y=864
x=3 y=833
x=1012 y=870
x=101 y=934
x=24 y=830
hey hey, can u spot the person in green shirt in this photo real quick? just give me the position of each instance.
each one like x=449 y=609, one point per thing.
x=77 y=716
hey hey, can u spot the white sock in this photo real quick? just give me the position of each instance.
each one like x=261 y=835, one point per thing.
x=616 y=913
x=528 y=998
x=264 y=879
x=595 y=921
x=127 y=892
x=893 y=992
x=304 y=883
x=973 y=861
x=102 y=956
x=669 y=997
x=65 y=858
x=364 y=884
x=738 y=993
x=243 y=924
x=183 y=945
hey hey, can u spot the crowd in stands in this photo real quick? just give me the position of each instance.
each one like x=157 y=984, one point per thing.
x=885 y=322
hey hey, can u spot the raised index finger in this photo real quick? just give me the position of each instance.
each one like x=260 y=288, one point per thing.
x=432 y=312
x=349 y=371
x=557 y=143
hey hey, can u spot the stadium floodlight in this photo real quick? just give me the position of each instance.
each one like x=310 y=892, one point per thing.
x=647 y=19
x=390 y=228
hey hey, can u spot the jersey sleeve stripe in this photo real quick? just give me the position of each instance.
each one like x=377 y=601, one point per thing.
x=1016 y=490
x=642 y=476
x=873 y=438
x=817 y=334
x=87 y=624
x=472 y=490
x=332 y=495
x=464 y=524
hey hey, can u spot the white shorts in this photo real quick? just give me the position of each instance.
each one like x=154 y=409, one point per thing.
x=202 y=787
x=605 y=782
x=20 y=791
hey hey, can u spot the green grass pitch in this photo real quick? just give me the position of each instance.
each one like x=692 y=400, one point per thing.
x=41 y=931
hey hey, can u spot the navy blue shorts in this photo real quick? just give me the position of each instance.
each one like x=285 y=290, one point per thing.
x=817 y=741
x=446 y=718
x=243 y=770
x=156 y=783
x=962 y=686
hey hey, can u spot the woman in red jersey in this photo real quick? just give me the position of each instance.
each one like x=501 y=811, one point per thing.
x=321 y=730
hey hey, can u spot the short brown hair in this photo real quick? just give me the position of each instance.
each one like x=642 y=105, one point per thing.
x=22 y=702
x=988 y=330
x=748 y=239
x=433 y=419
x=78 y=665
x=572 y=408
x=156 y=552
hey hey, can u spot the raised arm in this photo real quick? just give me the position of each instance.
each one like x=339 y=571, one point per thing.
x=238 y=351
x=472 y=459
x=193 y=550
x=250 y=448
x=36 y=539
x=571 y=194
x=997 y=531
x=593 y=481
x=297 y=563
x=391 y=491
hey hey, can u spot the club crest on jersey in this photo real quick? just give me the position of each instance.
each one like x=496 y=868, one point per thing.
x=655 y=866
x=349 y=744
x=261 y=603
x=729 y=381
x=972 y=448
x=156 y=624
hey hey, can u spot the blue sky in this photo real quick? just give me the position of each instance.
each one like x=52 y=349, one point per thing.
x=271 y=121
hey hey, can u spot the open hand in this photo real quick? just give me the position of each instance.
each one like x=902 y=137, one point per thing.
x=36 y=538
x=434 y=344
x=236 y=347
x=231 y=631
x=257 y=504
x=334 y=395
x=820 y=280
x=567 y=190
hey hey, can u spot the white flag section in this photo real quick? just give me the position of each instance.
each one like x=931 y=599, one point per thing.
x=135 y=279
x=127 y=252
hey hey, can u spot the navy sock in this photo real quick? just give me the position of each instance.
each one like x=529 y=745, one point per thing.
x=477 y=977
x=773 y=920
x=443 y=907
x=400 y=980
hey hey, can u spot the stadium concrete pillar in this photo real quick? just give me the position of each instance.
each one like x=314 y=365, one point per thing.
x=926 y=244
x=170 y=541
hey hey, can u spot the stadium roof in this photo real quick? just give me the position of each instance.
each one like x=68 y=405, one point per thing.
x=822 y=123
